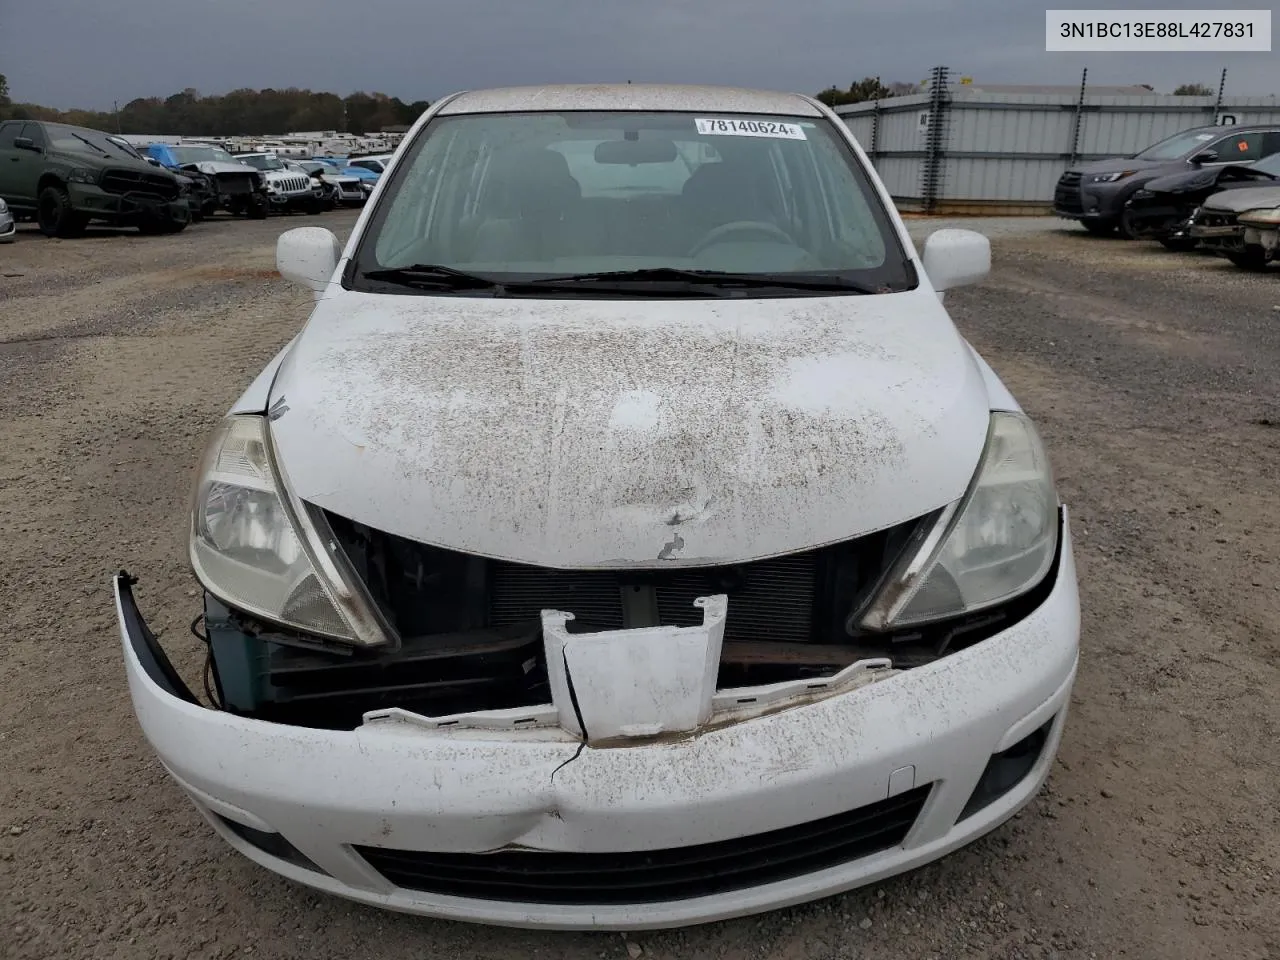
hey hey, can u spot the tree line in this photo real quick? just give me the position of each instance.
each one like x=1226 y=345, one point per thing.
x=245 y=112
x=257 y=112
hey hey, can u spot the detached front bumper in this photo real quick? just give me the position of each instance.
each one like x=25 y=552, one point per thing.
x=528 y=828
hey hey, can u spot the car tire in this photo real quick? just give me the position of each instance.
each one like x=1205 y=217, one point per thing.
x=315 y=206
x=1179 y=244
x=1253 y=259
x=1100 y=228
x=1126 y=226
x=54 y=215
x=258 y=209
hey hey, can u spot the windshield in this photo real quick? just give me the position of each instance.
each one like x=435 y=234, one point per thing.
x=558 y=194
x=1176 y=146
x=262 y=163
x=201 y=155
x=87 y=141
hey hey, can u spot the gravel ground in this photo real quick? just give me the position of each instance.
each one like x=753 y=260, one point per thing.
x=1153 y=377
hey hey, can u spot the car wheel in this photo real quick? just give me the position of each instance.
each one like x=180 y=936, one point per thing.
x=1252 y=258
x=55 y=216
x=1099 y=228
x=1126 y=226
x=258 y=209
x=1179 y=244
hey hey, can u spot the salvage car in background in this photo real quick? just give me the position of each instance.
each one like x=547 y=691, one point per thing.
x=239 y=188
x=368 y=178
x=343 y=190
x=287 y=190
x=1162 y=210
x=1095 y=193
x=67 y=177
x=1236 y=224
x=626 y=540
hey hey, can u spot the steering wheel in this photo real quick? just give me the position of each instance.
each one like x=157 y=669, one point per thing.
x=756 y=228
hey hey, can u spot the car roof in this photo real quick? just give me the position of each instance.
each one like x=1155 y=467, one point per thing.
x=630 y=96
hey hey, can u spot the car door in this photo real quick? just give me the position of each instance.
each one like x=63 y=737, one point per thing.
x=1238 y=148
x=9 y=160
x=27 y=163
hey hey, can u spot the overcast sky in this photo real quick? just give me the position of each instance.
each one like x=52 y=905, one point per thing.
x=87 y=53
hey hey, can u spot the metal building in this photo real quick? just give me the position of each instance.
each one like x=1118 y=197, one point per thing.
x=959 y=148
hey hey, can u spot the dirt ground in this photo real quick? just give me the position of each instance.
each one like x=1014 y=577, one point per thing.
x=1153 y=377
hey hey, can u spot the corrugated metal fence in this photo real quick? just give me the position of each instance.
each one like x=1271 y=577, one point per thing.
x=956 y=149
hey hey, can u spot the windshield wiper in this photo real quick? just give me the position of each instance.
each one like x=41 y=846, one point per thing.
x=91 y=143
x=433 y=276
x=721 y=279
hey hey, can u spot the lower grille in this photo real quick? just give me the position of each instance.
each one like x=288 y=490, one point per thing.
x=235 y=183
x=655 y=876
x=129 y=181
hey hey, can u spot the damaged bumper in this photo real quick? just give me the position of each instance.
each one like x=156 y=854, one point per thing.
x=529 y=827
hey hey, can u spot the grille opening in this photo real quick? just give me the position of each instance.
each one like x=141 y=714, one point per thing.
x=472 y=639
x=1006 y=769
x=655 y=876
x=272 y=844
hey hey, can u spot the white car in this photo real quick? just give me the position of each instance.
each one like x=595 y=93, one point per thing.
x=341 y=189
x=375 y=162
x=628 y=540
x=8 y=228
x=288 y=188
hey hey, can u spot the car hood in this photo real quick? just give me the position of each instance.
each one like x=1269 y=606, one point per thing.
x=580 y=433
x=1116 y=164
x=1180 y=182
x=215 y=167
x=1237 y=201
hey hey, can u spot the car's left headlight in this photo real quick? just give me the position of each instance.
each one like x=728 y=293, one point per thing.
x=997 y=542
x=261 y=551
x=1111 y=177
x=82 y=175
x=1261 y=217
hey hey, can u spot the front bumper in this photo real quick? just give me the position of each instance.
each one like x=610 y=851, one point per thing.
x=304 y=802
x=8 y=228
x=127 y=208
x=1082 y=201
x=1150 y=220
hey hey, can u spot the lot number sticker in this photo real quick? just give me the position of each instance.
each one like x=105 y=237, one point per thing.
x=730 y=127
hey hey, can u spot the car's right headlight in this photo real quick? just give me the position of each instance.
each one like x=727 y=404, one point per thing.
x=1260 y=216
x=995 y=543
x=259 y=551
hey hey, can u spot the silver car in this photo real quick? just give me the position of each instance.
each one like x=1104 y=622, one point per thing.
x=8 y=229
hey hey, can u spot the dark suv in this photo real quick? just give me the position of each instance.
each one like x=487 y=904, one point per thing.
x=1095 y=193
x=67 y=176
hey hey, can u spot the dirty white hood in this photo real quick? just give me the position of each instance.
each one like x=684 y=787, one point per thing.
x=582 y=433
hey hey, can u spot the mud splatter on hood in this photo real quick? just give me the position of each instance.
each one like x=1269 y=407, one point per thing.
x=586 y=433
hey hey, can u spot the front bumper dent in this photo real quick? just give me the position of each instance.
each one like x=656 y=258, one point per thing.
x=928 y=735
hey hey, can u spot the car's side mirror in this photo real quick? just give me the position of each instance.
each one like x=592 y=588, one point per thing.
x=956 y=258
x=26 y=143
x=308 y=256
x=1206 y=156
x=153 y=161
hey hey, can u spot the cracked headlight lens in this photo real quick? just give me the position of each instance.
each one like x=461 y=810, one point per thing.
x=246 y=545
x=998 y=542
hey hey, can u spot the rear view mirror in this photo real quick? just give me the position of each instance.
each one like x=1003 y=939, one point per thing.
x=632 y=152
x=25 y=143
x=956 y=258
x=308 y=256
x=1207 y=156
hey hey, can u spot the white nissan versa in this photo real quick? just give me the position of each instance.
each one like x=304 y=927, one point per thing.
x=627 y=540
